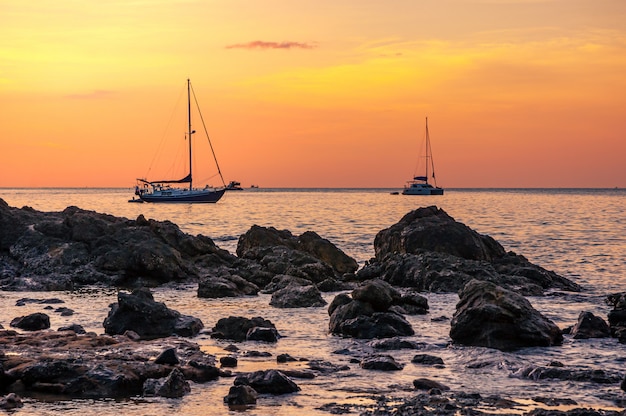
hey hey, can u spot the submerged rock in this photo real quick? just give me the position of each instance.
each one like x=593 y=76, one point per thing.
x=490 y=316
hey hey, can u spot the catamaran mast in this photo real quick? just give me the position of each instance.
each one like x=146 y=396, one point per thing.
x=189 y=132
x=427 y=146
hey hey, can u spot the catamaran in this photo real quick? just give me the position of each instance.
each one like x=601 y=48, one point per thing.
x=419 y=185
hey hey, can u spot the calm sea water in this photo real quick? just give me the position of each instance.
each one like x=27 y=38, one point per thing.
x=580 y=234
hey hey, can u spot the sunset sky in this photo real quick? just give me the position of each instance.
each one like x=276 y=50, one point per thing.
x=295 y=93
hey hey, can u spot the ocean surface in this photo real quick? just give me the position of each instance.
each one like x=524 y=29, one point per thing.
x=578 y=233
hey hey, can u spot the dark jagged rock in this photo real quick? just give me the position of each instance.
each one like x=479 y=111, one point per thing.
x=228 y=361
x=569 y=374
x=64 y=250
x=380 y=362
x=490 y=316
x=241 y=395
x=11 y=401
x=395 y=344
x=172 y=386
x=366 y=314
x=427 y=384
x=617 y=316
x=308 y=256
x=139 y=312
x=295 y=296
x=168 y=356
x=73 y=327
x=33 y=322
x=427 y=359
x=590 y=326
x=238 y=328
x=429 y=251
x=281 y=281
x=268 y=382
x=225 y=286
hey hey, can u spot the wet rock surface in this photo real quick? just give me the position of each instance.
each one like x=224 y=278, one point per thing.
x=66 y=364
x=490 y=316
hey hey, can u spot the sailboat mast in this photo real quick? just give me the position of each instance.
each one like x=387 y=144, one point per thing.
x=189 y=132
x=427 y=145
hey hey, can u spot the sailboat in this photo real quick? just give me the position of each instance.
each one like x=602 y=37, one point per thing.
x=162 y=191
x=419 y=185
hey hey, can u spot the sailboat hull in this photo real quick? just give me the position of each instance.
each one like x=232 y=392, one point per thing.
x=422 y=189
x=184 y=196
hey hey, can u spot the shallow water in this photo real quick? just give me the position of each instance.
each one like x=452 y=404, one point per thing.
x=580 y=234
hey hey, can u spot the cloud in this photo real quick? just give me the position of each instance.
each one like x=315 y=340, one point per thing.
x=93 y=95
x=259 y=44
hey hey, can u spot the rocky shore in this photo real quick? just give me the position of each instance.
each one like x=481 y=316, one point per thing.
x=147 y=349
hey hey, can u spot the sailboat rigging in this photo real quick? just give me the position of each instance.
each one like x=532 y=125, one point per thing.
x=161 y=191
x=419 y=185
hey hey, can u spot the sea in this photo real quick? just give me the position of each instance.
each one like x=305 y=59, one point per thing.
x=578 y=233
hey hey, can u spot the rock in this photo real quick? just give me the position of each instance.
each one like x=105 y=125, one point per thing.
x=75 y=247
x=427 y=250
x=569 y=374
x=268 y=382
x=493 y=317
x=73 y=327
x=139 y=312
x=174 y=385
x=294 y=296
x=241 y=395
x=308 y=256
x=378 y=294
x=33 y=322
x=228 y=361
x=11 y=401
x=432 y=229
x=258 y=333
x=427 y=384
x=427 y=359
x=380 y=362
x=590 y=326
x=238 y=328
x=281 y=281
x=225 y=286
x=368 y=315
x=168 y=357
x=395 y=344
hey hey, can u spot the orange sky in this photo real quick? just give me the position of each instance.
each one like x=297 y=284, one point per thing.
x=316 y=93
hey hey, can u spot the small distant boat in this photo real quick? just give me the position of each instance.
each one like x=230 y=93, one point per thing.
x=234 y=186
x=419 y=185
x=161 y=191
x=254 y=186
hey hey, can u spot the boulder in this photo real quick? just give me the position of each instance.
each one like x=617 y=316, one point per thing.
x=237 y=328
x=241 y=395
x=308 y=256
x=172 y=386
x=225 y=286
x=381 y=362
x=590 y=326
x=432 y=229
x=428 y=250
x=33 y=322
x=268 y=382
x=295 y=296
x=490 y=316
x=367 y=313
x=139 y=312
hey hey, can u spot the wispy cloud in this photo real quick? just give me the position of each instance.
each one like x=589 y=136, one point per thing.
x=93 y=95
x=259 y=44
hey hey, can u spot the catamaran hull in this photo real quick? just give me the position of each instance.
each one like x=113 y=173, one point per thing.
x=422 y=191
x=195 y=197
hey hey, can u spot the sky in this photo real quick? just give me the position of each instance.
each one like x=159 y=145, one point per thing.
x=299 y=93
